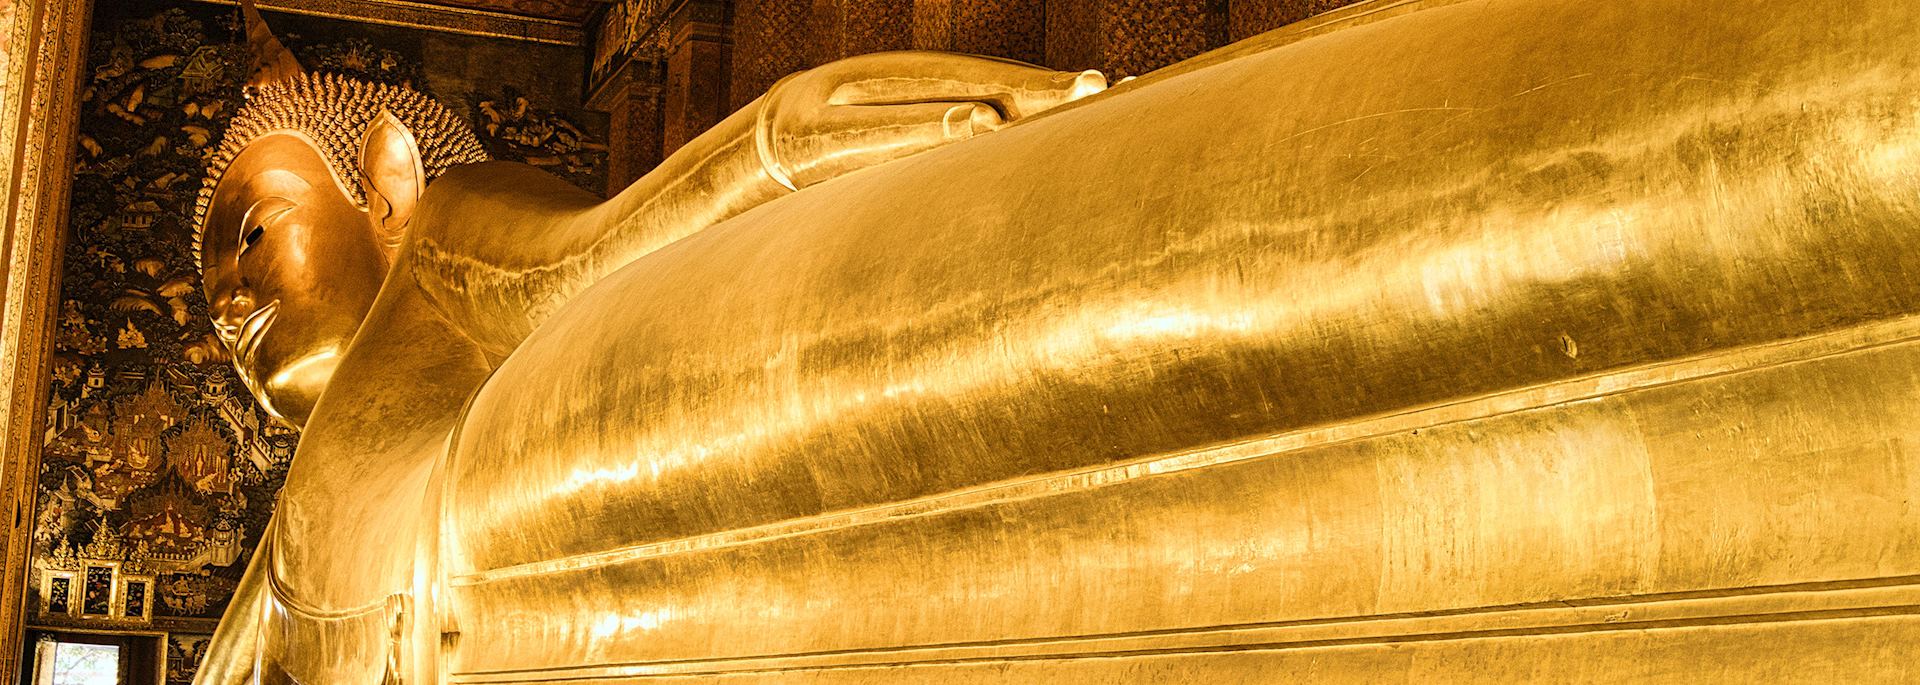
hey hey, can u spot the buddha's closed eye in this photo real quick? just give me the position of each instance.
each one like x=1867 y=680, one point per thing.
x=260 y=216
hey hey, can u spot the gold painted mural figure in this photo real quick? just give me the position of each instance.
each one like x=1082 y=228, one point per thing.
x=1444 y=341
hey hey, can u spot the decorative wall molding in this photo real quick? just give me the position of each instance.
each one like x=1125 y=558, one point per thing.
x=168 y=624
x=416 y=15
x=38 y=122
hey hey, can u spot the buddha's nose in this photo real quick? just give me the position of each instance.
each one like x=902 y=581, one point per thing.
x=230 y=310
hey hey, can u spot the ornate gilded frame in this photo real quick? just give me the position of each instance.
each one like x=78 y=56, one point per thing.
x=112 y=601
x=122 y=589
x=41 y=75
x=48 y=579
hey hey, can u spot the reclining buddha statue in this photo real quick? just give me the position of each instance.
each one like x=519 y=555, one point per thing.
x=1479 y=341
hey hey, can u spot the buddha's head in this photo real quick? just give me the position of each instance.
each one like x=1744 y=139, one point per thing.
x=305 y=204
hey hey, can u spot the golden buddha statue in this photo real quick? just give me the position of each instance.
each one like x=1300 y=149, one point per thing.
x=1446 y=341
x=322 y=253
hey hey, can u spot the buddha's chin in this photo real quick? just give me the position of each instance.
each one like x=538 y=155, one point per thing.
x=290 y=391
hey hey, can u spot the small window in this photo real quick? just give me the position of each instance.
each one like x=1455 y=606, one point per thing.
x=74 y=663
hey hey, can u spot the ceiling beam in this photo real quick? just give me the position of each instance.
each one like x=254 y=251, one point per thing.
x=432 y=18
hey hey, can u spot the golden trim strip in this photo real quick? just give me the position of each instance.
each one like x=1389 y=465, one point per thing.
x=1898 y=596
x=433 y=18
x=1797 y=350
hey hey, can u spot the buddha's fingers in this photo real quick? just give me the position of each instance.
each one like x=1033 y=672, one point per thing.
x=839 y=140
x=1014 y=89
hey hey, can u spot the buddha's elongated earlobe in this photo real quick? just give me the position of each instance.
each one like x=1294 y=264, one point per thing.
x=271 y=62
x=390 y=166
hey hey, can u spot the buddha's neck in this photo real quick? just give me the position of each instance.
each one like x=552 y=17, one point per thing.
x=499 y=247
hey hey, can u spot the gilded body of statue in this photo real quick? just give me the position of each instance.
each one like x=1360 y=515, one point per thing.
x=1447 y=341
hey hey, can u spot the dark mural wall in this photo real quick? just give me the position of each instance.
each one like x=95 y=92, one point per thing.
x=159 y=472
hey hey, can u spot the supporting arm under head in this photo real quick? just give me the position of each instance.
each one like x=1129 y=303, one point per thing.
x=498 y=269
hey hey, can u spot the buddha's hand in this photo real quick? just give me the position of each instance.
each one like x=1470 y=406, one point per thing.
x=861 y=111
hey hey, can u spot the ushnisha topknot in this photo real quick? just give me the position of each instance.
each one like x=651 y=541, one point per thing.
x=334 y=111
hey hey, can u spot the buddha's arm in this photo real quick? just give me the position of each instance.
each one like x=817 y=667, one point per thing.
x=235 y=647
x=500 y=247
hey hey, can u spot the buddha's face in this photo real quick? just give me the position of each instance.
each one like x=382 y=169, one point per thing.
x=291 y=267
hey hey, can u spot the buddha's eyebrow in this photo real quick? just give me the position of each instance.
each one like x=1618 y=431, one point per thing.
x=256 y=187
x=275 y=180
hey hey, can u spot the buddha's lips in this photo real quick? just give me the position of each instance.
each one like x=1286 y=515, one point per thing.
x=251 y=330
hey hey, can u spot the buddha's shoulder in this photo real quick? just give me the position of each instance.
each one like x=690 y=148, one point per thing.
x=491 y=207
x=499 y=178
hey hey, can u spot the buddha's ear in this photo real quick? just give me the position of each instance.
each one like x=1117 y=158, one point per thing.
x=390 y=167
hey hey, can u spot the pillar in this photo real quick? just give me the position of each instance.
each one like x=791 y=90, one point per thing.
x=41 y=70
x=632 y=99
x=695 y=95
